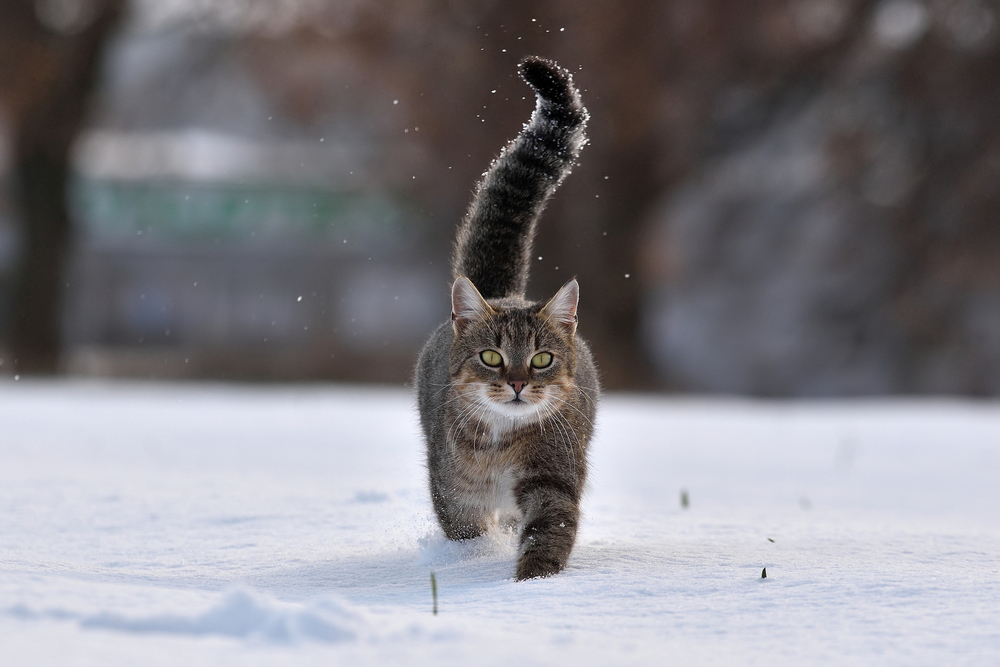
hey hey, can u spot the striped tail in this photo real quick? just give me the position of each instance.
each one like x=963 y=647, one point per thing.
x=494 y=242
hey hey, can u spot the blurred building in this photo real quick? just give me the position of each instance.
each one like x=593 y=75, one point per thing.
x=219 y=237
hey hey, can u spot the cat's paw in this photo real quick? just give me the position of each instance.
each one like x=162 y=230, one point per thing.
x=535 y=565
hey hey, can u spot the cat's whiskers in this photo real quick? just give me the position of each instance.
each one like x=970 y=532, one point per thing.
x=586 y=394
x=459 y=395
x=565 y=403
x=479 y=411
x=465 y=415
x=443 y=387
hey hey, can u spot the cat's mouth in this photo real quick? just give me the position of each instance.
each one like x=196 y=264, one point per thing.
x=518 y=407
x=515 y=410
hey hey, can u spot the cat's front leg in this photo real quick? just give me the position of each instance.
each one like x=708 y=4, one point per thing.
x=460 y=521
x=551 y=514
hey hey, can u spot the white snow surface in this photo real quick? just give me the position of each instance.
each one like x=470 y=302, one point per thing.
x=201 y=524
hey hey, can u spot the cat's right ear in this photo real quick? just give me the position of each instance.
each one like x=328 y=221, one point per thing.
x=467 y=304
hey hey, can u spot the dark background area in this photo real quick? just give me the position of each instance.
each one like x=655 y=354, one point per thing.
x=780 y=198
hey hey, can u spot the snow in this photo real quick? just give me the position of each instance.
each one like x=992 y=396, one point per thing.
x=203 y=524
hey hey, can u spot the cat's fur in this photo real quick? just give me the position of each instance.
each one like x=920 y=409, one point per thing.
x=509 y=443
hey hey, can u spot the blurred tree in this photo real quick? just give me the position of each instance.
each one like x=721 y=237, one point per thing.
x=838 y=236
x=49 y=58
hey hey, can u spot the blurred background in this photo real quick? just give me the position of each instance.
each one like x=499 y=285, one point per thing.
x=780 y=198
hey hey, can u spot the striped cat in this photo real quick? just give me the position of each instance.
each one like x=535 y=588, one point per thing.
x=507 y=391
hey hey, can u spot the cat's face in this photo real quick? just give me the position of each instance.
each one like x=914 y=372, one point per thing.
x=512 y=364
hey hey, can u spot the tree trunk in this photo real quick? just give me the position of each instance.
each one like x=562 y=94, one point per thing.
x=51 y=64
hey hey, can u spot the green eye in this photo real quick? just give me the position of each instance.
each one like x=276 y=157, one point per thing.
x=491 y=358
x=541 y=360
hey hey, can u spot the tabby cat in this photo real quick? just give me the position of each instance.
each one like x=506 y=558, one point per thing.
x=507 y=391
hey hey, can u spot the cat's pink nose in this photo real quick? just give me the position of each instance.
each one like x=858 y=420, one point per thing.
x=518 y=385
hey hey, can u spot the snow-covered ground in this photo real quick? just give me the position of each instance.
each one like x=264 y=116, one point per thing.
x=192 y=525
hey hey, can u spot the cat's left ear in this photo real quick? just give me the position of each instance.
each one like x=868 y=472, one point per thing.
x=561 y=309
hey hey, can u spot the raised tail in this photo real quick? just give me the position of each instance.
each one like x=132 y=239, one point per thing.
x=494 y=241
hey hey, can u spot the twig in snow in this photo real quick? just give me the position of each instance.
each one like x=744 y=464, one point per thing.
x=434 y=592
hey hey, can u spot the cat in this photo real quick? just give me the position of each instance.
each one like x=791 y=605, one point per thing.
x=507 y=392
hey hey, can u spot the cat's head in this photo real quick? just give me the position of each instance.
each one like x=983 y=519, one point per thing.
x=513 y=362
